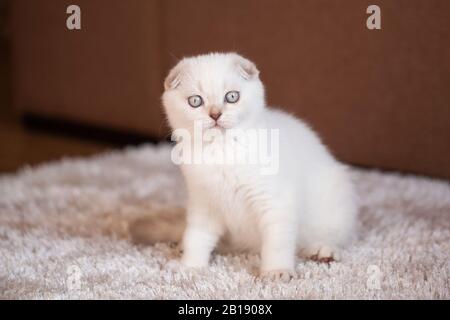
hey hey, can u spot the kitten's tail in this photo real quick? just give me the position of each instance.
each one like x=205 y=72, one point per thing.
x=163 y=226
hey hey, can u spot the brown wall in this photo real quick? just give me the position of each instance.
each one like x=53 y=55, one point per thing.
x=378 y=98
x=108 y=73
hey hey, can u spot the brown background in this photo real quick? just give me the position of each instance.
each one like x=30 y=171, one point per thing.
x=378 y=97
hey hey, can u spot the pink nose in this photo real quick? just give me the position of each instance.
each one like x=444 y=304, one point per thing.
x=215 y=115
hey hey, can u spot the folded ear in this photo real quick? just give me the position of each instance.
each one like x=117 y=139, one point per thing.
x=173 y=78
x=246 y=68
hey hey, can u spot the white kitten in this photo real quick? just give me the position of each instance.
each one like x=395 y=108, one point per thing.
x=307 y=206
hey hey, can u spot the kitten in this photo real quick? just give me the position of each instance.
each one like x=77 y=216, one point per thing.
x=307 y=206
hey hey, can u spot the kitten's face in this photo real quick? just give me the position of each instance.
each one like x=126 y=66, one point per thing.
x=218 y=90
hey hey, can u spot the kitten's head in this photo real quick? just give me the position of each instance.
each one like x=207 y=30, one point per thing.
x=219 y=90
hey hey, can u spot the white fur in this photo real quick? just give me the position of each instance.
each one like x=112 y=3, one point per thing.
x=308 y=206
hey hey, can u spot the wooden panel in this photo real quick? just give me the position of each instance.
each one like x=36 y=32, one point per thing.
x=378 y=97
x=108 y=73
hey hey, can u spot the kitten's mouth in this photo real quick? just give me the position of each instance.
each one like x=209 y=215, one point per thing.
x=217 y=126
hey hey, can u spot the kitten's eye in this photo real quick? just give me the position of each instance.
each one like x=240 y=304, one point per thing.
x=195 y=101
x=232 y=97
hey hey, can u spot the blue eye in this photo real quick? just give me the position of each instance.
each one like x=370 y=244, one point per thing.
x=195 y=101
x=232 y=97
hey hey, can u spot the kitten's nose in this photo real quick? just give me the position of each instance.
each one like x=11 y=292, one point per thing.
x=215 y=115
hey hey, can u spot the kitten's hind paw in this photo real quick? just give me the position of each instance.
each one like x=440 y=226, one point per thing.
x=284 y=275
x=323 y=254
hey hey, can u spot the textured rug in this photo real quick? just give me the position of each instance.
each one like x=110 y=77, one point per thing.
x=64 y=235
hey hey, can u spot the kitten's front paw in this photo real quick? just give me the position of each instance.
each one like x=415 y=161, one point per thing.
x=193 y=263
x=324 y=254
x=284 y=275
